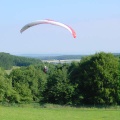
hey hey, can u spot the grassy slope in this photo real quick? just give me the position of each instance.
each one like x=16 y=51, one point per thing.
x=30 y=113
x=14 y=67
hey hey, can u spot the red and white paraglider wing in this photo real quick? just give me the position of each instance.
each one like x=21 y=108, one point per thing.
x=47 y=21
x=63 y=25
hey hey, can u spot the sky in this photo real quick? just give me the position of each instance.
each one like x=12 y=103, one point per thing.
x=96 y=22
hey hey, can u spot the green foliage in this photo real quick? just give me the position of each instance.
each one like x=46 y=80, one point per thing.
x=28 y=82
x=7 y=94
x=59 y=89
x=7 y=61
x=99 y=79
x=95 y=80
x=74 y=73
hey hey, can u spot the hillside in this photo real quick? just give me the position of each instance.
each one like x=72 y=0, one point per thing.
x=7 y=60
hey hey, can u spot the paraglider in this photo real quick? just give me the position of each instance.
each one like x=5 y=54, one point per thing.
x=47 y=21
x=52 y=22
x=45 y=69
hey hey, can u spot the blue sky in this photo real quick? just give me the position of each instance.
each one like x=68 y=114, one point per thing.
x=96 y=22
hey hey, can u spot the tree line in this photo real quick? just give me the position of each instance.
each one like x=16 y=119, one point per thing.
x=95 y=80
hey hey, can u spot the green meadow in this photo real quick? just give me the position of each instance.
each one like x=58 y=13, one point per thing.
x=59 y=113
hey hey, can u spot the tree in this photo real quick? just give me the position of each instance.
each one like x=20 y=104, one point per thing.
x=29 y=82
x=58 y=89
x=20 y=84
x=6 y=61
x=7 y=94
x=99 y=79
x=119 y=80
x=74 y=73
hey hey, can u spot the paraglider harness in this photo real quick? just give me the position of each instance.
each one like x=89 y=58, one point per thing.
x=45 y=69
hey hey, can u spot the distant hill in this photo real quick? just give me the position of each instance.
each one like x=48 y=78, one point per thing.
x=56 y=56
x=7 y=60
x=61 y=57
x=53 y=56
x=66 y=57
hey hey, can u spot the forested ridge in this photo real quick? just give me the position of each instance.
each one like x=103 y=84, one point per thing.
x=7 y=61
x=95 y=80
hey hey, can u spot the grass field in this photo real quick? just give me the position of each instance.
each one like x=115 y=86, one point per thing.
x=62 y=113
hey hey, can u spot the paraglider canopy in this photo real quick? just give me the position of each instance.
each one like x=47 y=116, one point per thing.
x=52 y=22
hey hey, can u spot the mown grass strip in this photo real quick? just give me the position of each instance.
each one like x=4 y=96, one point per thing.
x=62 y=113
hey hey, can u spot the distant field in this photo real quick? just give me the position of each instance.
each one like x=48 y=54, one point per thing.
x=62 y=61
x=63 y=113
